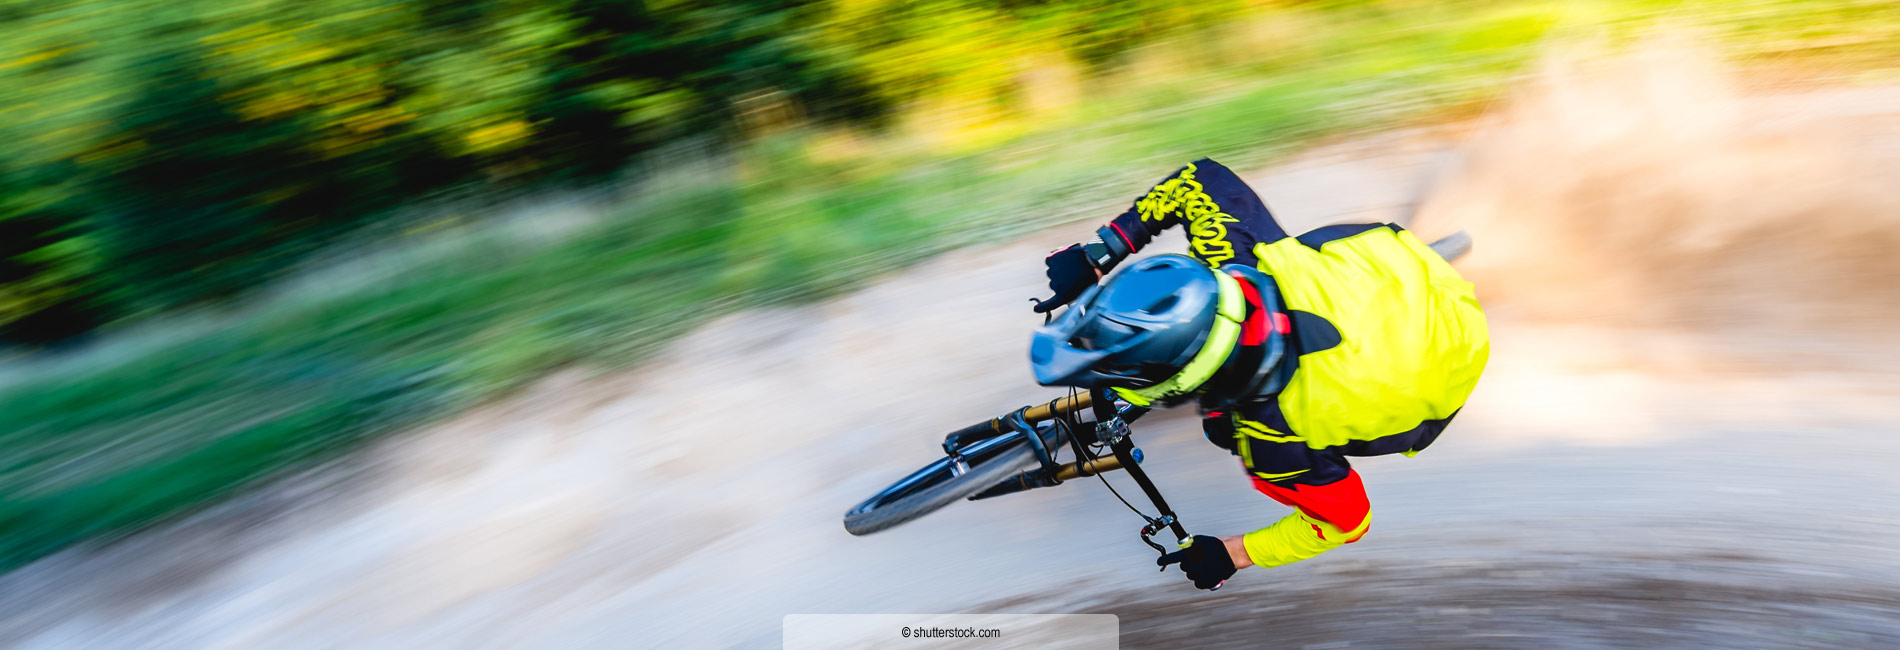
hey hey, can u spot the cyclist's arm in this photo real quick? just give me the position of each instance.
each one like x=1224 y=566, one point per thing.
x=1324 y=517
x=1224 y=217
x=1329 y=501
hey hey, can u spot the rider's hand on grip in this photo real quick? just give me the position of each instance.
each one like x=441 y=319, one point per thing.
x=1204 y=560
x=1070 y=274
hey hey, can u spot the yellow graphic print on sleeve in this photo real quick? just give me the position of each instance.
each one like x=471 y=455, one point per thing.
x=1182 y=198
x=1222 y=216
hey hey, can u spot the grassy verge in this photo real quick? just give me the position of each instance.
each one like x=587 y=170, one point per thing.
x=97 y=449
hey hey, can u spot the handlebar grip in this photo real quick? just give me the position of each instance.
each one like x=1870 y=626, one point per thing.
x=1452 y=246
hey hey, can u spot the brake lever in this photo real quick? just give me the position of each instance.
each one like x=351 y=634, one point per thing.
x=1154 y=526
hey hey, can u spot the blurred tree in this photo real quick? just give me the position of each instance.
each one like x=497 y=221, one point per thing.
x=48 y=268
x=190 y=151
x=212 y=199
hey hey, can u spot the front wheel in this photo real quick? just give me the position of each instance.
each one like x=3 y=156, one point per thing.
x=935 y=486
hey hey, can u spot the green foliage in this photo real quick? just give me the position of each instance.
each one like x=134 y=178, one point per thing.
x=200 y=148
x=192 y=150
x=49 y=265
x=204 y=147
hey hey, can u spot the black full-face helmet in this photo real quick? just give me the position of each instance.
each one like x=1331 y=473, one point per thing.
x=1156 y=330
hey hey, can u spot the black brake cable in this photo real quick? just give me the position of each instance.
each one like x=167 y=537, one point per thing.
x=1055 y=453
x=1075 y=443
x=1118 y=497
x=1111 y=488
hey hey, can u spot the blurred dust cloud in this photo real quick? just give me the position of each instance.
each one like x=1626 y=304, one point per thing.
x=1659 y=189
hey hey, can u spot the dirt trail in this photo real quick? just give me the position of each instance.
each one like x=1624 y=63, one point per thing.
x=1606 y=485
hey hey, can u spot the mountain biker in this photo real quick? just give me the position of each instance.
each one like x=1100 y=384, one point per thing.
x=1349 y=340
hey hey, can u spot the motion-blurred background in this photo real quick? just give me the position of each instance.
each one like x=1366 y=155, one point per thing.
x=357 y=322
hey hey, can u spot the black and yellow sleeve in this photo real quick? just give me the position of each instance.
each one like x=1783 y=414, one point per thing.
x=1223 y=216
